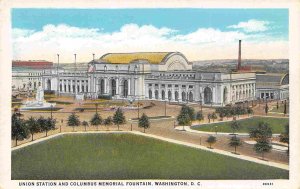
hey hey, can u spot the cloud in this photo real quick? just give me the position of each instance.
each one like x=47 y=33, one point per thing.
x=204 y=43
x=252 y=26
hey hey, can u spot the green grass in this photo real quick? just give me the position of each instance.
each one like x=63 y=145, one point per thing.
x=276 y=124
x=280 y=109
x=126 y=156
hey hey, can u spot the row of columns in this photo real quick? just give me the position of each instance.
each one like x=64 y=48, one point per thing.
x=68 y=86
x=169 y=91
x=243 y=92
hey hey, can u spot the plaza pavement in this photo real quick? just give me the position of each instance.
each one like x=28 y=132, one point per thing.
x=160 y=128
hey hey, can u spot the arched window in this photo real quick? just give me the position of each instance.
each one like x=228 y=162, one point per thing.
x=101 y=88
x=163 y=95
x=156 y=94
x=150 y=94
x=191 y=98
x=207 y=95
x=125 y=88
x=183 y=96
x=113 y=87
x=169 y=95
x=176 y=96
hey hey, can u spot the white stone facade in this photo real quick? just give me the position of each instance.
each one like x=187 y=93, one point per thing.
x=171 y=79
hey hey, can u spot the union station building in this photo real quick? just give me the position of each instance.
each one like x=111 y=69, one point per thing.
x=162 y=76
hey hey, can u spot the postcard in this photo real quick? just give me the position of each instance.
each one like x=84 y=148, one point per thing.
x=149 y=95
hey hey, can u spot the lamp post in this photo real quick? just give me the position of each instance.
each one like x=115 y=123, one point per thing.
x=61 y=121
x=138 y=108
x=216 y=129
x=75 y=75
x=165 y=108
x=51 y=107
x=201 y=105
x=58 y=81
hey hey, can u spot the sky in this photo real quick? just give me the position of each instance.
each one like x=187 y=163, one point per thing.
x=200 y=34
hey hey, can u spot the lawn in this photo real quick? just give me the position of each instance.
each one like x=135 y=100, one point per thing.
x=127 y=156
x=280 y=109
x=276 y=124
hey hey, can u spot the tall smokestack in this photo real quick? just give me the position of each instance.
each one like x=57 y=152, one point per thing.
x=239 y=59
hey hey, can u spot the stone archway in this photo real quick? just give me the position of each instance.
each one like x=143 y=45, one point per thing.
x=113 y=87
x=183 y=96
x=176 y=96
x=207 y=95
x=163 y=95
x=101 y=86
x=169 y=95
x=191 y=96
x=125 y=88
x=156 y=94
x=150 y=94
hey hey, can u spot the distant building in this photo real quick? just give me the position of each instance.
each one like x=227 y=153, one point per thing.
x=27 y=75
x=32 y=64
x=272 y=86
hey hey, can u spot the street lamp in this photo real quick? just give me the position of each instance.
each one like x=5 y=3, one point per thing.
x=216 y=129
x=201 y=105
x=138 y=108
x=165 y=108
x=61 y=121
x=51 y=107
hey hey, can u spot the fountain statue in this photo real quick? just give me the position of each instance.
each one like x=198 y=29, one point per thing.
x=38 y=103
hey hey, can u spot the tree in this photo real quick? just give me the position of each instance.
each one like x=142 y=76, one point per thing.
x=199 y=116
x=235 y=142
x=262 y=131
x=183 y=119
x=108 y=121
x=49 y=124
x=285 y=137
x=266 y=109
x=249 y=111
x=19 y=131
x=262 y=146
x=214 y=116
x=222 y=115
x=188 y=110
x=211 y=140
x=119 y=118
x=209 y=117
x=73 y=120
x=96 y=120
x=33 y=126
x=85 y=124
x=144 y=122
x=235 y=126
